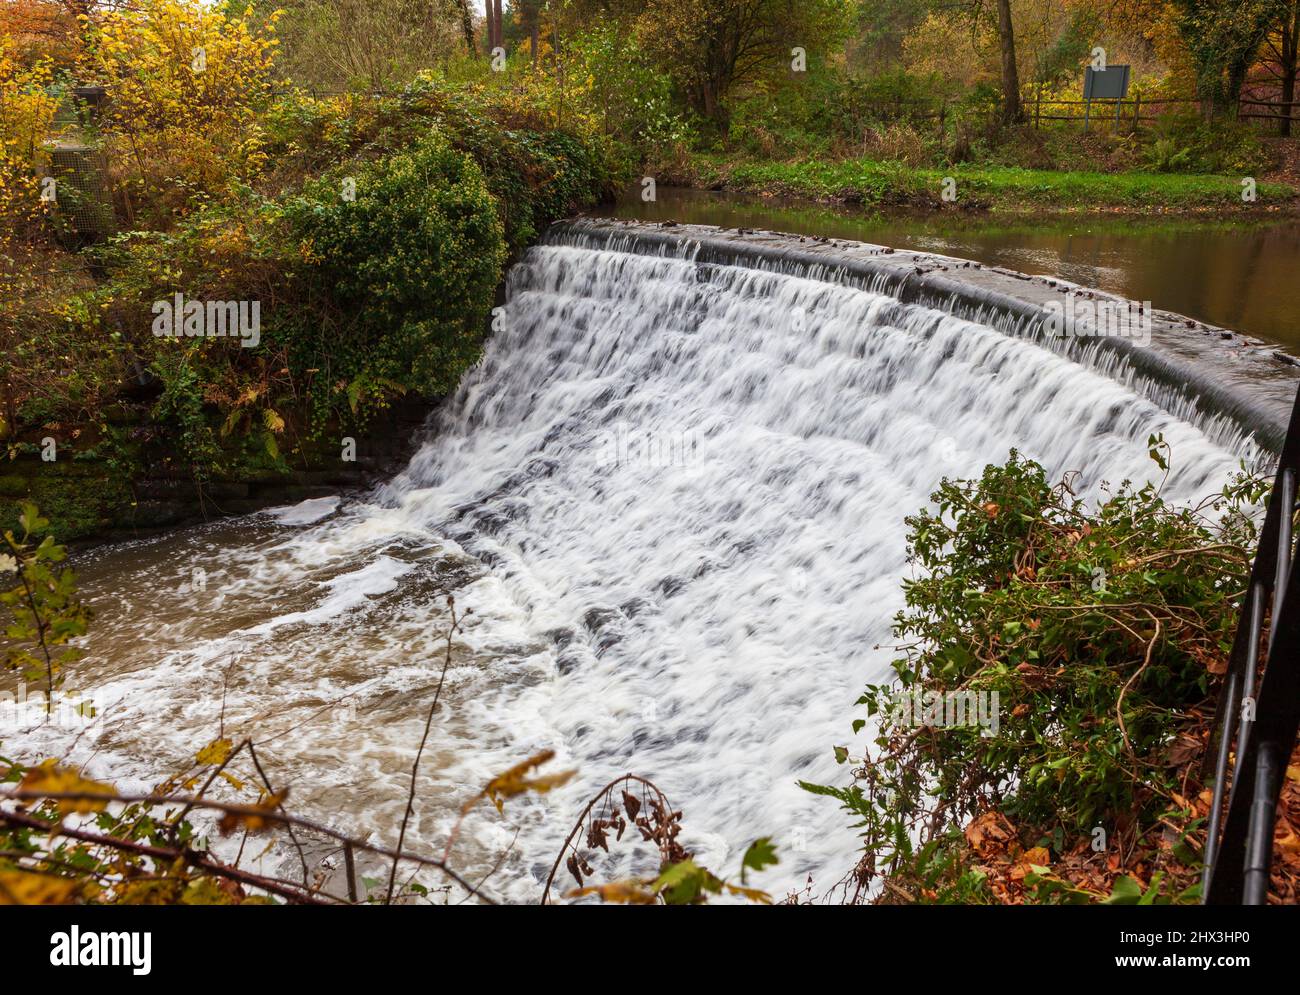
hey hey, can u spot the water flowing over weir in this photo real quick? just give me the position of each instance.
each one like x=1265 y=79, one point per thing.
x=672 y=495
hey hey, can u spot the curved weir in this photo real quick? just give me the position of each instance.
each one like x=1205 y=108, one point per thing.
x=672 y=494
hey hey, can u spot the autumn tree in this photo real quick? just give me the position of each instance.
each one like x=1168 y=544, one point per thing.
x=41 y=29
x=26 y=121
x=492 y=21
x=187 y=82
x=529 y=13
x=710 y=47
x=1012 y=112
x=1222 y=38
x=370 y=44
x=998 y=14
x=1283 y=50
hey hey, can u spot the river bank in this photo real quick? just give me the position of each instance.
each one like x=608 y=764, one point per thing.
x=369 y=266
x=1002 y=190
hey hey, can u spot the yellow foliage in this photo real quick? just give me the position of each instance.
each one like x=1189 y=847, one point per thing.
x=620 y=892
x=750 y=894
x=26 y=123
x=49 y=777
x=216 y=752
x=186 y=81
x=27 y=888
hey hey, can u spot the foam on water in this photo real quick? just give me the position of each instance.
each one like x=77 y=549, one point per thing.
x=673 y=496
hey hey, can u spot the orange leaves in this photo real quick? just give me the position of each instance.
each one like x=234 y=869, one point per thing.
x=990 y=830
x=256 y=819
x=1036 y=857
x=516 y=781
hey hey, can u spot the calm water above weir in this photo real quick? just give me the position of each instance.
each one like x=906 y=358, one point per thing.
x=1243 y=278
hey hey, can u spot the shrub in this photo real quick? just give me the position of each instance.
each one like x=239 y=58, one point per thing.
x=407 y=271
x=1100 y=632
x=26 y=119
x=186 y=82
x=1187 y=143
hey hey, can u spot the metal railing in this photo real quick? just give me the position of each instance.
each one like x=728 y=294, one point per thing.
x=1239 y=848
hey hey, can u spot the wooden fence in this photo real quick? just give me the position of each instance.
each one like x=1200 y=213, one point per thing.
x=1284 y=112
x=1130 y=113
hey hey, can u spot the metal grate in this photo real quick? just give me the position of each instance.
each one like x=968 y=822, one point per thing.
x=83 y=196
x=1239 y=847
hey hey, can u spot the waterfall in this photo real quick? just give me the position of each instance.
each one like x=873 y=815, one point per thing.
x=672 y=494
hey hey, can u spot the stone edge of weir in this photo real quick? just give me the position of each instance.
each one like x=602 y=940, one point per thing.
x=1188 y=365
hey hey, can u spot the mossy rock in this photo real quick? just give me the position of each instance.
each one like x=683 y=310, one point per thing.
x=75 y=505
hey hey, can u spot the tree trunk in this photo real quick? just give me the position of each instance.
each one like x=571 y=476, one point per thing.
x=534 y=39
x=1012 y=112
x=467 y=26
x=496 y=20
x=1290 y=51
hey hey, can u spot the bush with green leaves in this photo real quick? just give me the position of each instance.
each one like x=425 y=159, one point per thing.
x=45 y=614
x=361 y=300
x=1187 y=143
x=1100 y=631
x=404 y=271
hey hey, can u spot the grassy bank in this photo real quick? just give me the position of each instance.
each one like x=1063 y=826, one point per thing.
x=1006 y=189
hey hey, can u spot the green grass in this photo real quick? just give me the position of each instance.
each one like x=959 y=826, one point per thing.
x=1000 y=187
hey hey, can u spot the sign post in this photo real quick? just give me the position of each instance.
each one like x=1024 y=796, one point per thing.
x=1110 y=83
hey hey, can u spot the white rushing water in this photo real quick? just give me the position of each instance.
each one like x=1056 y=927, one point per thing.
x=672 y=496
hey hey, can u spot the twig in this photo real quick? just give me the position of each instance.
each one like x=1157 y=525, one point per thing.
x=234 y=809
x=415 y=766
x=176 y=822
x=266 y=782
x=168 y=854
x=602 y=795
x=41 y=626
x=1119 y=702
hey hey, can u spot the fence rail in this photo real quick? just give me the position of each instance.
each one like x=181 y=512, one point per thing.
x=1261 y=694
x=1130 y=112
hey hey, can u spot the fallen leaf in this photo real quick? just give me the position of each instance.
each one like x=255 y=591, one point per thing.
x=621 y=892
